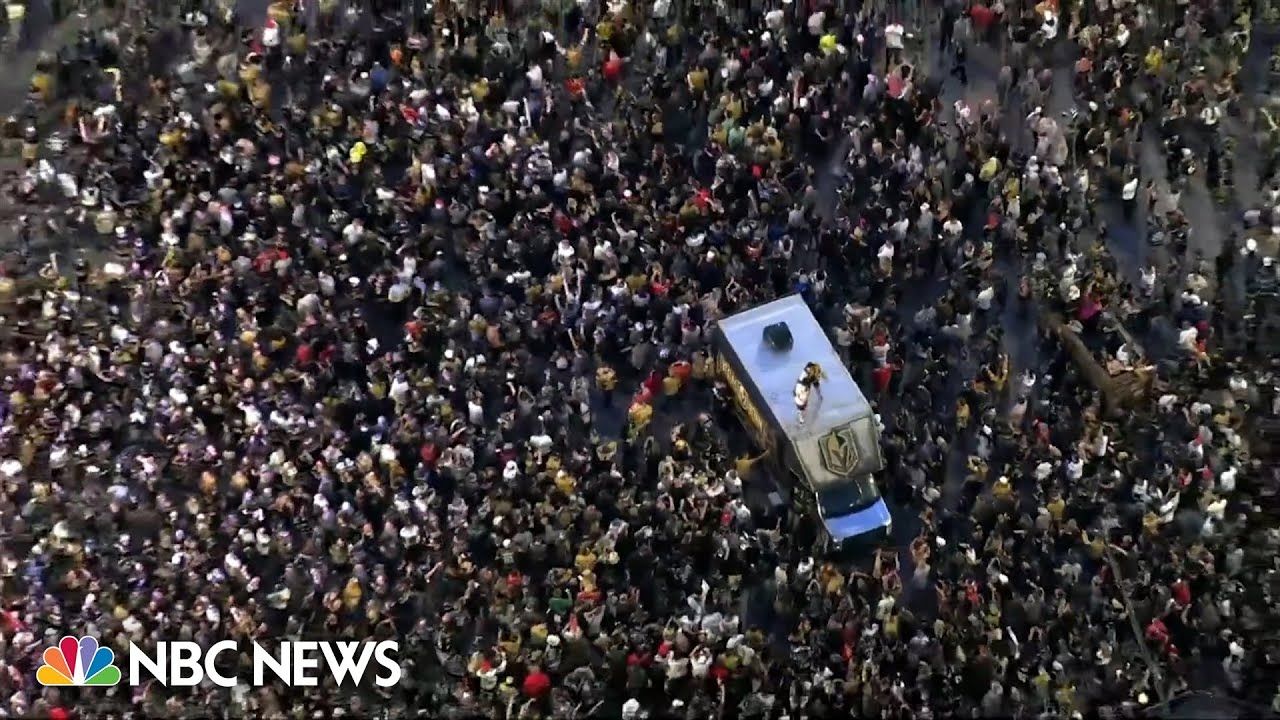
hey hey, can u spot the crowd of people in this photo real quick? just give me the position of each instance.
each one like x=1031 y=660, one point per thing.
x=344 y=324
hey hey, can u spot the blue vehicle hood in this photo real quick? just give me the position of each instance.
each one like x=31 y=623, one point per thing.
x=859 y=523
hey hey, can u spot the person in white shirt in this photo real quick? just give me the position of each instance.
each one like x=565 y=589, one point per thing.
x=985 y=298
x=353 y=232
x=1074 y=469
x=1147 y=280
x=815 y=23
x=271 y=34
x=1210 y=115
x=700 y=662
x=885 y=256
x=1187 y=337
x=565 y=252
x=677 y=668
x=952 y=228
x=900 y=228
x=399 y=392
x=1050 y=26
x=1227 y=480
x=1129 y=194
x=962 y=328
x=1101 y=445
x=893 y=44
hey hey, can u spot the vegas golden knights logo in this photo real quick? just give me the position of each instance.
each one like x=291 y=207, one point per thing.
x=839 y=450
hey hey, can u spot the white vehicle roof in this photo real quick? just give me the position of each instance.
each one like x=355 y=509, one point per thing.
x=839 y=436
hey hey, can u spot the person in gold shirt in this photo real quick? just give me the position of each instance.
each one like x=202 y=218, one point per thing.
x=565 y=483
x=742 y=466
x=697 y=79
x=996 y=374
x=585 y=560
x=573 y=58
x=1003 y=489
x=671 y=385
x=637 y=280
x=1057 y=507
x=639 y=416
x=606 y=452
x=351 y=594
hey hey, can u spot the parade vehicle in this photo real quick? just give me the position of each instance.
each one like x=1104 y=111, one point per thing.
x=800 y=405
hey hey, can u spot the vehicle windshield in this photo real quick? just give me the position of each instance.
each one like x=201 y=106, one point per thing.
x=847 y=495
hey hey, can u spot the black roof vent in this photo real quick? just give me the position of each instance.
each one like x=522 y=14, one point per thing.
x=778 y=337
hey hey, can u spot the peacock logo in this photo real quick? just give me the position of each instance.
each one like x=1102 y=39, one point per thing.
x=76 y=662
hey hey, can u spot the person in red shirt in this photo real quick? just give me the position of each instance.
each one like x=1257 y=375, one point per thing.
x=681 y=369
x=702 y=198
x=536 y=684
x=882 y=376
x=563 y=223
x=266 y=260
x=983 y=18
x=429 y=454
x=613 y=67
x=1181 y=593
x=643 y=396
x=897 y=85
x=1157 y=632
x=653 y=383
